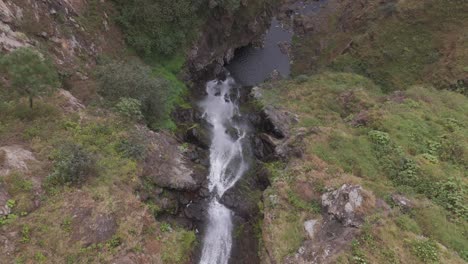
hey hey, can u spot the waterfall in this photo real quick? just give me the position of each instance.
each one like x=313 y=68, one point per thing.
x=227 y=165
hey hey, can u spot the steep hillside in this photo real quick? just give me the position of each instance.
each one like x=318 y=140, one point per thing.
x=373 y=168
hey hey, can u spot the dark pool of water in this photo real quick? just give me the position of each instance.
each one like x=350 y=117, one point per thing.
x=253 y=65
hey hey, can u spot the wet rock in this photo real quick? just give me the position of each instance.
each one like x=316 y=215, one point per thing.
x=285 y=47
x=199 y=136
x=4 y=197
x=14 y=158
x=403 y=202
x=345 y=205
x=278 y=122
x=274 y=76
x=167 y=166
x=196 y=211
x=264 y=147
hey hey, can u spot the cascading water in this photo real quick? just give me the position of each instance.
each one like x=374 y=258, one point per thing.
x=227 y=166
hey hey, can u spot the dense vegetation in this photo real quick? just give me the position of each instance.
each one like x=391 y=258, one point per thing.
x=165 y=27
x=134 y=91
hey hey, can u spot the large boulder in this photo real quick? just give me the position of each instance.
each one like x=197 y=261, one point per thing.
x=14 y=158
x=69 y=102
x=344 y=213
x=92 y=227
x=167 y=166
x=346 y=205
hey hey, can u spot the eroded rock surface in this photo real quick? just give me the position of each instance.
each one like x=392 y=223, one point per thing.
x=345 y=205
x=168 y=167
x=4 y=196
x=14 y=158
x=344 y=212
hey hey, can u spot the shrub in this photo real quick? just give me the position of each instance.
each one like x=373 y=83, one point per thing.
x=426 y=250
x=135 y=81
x=129 y=108
x=72 y=165
x=29 y=73
x=133 y=147
x=379 y=137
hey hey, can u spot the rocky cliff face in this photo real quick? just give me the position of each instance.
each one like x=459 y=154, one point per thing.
x=225 y=31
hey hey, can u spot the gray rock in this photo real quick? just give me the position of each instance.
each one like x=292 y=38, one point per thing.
x=14 y=158
x=4 y=197
x=403 y=202
x=279 y=122
x=91 y=227
x=167 y=166
x=344 y=204
x=309 y=228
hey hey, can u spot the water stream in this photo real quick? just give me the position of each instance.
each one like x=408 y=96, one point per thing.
x=228 y=164
x=228 y=155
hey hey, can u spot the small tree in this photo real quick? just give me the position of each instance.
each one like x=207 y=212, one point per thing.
x=29 y=74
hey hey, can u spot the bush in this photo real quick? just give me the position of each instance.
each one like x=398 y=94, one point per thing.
x=426 y=250
x=73 y=165
x=126 y=83
x=133 y=147
x=129 y=108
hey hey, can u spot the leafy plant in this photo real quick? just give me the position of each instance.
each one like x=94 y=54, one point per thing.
x=73 y=164
x=25 y=234
x=165 y=227
x=129 y=108
x=426 y=250
x=114 y=242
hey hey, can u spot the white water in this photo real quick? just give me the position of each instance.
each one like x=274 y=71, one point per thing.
x=227 y=167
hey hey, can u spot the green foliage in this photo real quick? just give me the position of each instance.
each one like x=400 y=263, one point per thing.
x=10 y=203
x=358 y=256
x=426 y=250
x=297 y=202
x=379 y=137
x=8 y=219
x=406 y=223
x=132 y=147
x=72 y=165
x=134 y=80
x=434 y=223
x=17 y=183
x=165 y=227
x=25 y=234
x=39 y=257
x=30 y=74
x=114 y=242
x=452 y=194
x=158 y=26
x=66 y=224
x=129 y=108
x=177 y=246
